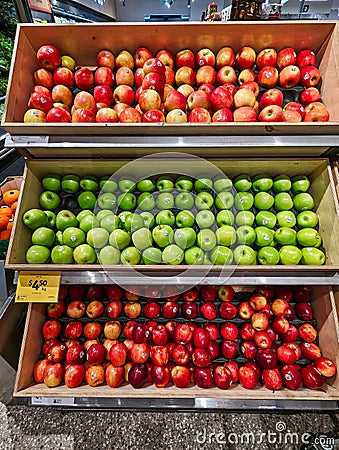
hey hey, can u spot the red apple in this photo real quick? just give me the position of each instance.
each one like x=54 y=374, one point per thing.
x=245 y=76
x=309 y=76
x=95 y=375
x=128 y=328
x=280 y=325
x=41 y=101
x=279 y=307
x=199 y=115
x=96 y=354
x=209 y=88
x=140 y=333
x=153 y=116
x=73 y=330
x=141 y=55
x=182 y=333
x=229 y=331
x=48 y=57
x=92 y=330
x=95 y=309
x=114 y=309
x=185 y=58
x=201 y=338
x=208 y=310
x=306 y=57
x=268 y=77
x=201 y=357
x=234 y=369
x=104 y=75
x=309 y=95
x=272 y=113
x=114 y=376
x=152 y=310
x=140 y=353
x=132 y=310
x=295 y=106
x=288 y=352
x=229 y=349
x=307 y=332
x=180 y=354
x=103 y=94
x=291 y=116
x=227 y=310
x=316 y=114
x=105 y=58
x=302 y=294
x=221 y=98
x=225 y=57
x=189 y=310
x=53 y=374
x=310 y=350
x=266 y=358
x=252 y=86
x=312 y=378
x=203 y=377
x=56 y=352
x=325 y=366
x=83 y=115
x=225 y=293
x=51 y=329
x=191 y=295
x=223 y=115
x=166 y=57
x=198 y=99
x=292 y=378
x=289 y=77
x=246 y=331
x=123 y=94
x=245 y=311
x=222 y=377
x=39 y=369
x=77 y=292
x=43 y=78
x=286 y=57
x=170 y=310
x=245 y=58
x=175 y=100
x=248 y=377
x=75 y=354
x=84 y=78
x=262 y=339
x=257 y=301
x=56 y=310
x=213 y=330
x=159 y=334
x=180 y=376
x=205 y=57
x=249 y=349
x=260 y=321
x=58 y=114
x=106 y=115
x=266 y=57
x=304 y=311
x=272 y=379
x=159 y=355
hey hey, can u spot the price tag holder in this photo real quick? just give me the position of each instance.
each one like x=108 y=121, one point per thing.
x=38 y=287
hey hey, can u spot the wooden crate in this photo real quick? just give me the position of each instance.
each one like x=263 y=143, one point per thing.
x=318 y=170
x=83 y=41
x=324 y=306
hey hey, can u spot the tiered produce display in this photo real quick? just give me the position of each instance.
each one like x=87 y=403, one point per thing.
x=208 y=336
x=237 y=85
x=167 y=220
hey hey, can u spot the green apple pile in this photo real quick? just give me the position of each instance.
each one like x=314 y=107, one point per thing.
x=175 y=220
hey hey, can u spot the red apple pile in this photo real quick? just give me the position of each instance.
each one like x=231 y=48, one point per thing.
x=225 y=86
x=210 y=336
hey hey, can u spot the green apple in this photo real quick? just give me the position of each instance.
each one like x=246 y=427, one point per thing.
x=307 y=219
x=87 y=200
x=58 y=237
x=204 y=200
x=283 y=201
x=222 y=256
x=164 y=183
x=184 y=183
x=65 y=219
x=285 y=236
x=268 y=256
x=290 y=255
x=133 y=222
x=35 y=218
x=300 y=183
x=104 y=213
x=263 y=201
x=224 y=200
x=286 y=219
x=165 y=217
x=142 y=238
x=303 y=202
x=194 y=255
x=309 y=237
x=51 y=182
x=206 y=240
x=127 y=201
x=72 y=237
x=127 y=184
x=49 y=200
x=185 y=237
x=107 y=200
x=97 y=237
x=130 y=256
x=51 y=216
x=203 y=184
x=244 y=255
x=162 y=235
x=245 y=235
x=243 y=201
x=165 y=200
x=266 y=219
x=43 y=236
x=62 y=254
x=244 y=218
x=148 y=219
x=146 y=185
x=68 y=61
x=225 y=217
x=88 y=222
x=226 y=235
x=312 y=256
x=119 y=238
x=264 y=236
x=108 y=184
x=184 y=219
x=184 y=200
x=281 y=183
x=109 y=255
x=207 y=260
x=84 y=213
x=89 y=183
x=38 y=254
x=152 y=256
x=205 y=218
x=262 y=183
x=110 y=222
x=222 y=183
x=172 y=254
x=146 y=201
x=70 y=184
x=123 y=216
x=242 y=183
x=84 y=254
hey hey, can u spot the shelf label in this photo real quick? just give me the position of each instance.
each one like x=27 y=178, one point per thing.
x=23 y=141
x=50 y=401
x=38 y=287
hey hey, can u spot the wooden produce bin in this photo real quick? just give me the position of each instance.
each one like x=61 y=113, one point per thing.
x=83 y=41
x=318 y=170
x=323 y=304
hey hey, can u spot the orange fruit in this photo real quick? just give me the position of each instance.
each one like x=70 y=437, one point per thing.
x=10 y=224
x=5 y=211
x=5 y=235
x=14 y=206
x=3 y=221
x=11 y=196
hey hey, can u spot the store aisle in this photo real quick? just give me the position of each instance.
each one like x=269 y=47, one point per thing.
x=28 y=428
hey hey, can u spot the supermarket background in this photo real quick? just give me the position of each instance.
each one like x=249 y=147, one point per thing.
x=133 y=425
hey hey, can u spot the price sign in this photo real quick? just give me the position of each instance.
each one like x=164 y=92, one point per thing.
x=37 y=287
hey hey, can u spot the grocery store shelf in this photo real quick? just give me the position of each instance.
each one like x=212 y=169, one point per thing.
x=187 y=404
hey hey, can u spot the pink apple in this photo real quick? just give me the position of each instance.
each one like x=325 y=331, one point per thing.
x=289 y=76
x=208 y=87
x=286 y=57
x=309 y=76
x=84 y=78
x=267 y=57
x=186 y=89
x=139 y=75
x=141 y=55
x=268 y=77
x=84 y=100
x=104 y=75
x=245 y=114
x=42 y=101
x=306 y=57
x=225 y=57
x=185 y=58
x=153 y=115
x=295 y=106
x=226 y=74
x=48 y=57
x=205 y=74
x=169 y=75
x=291 y=116
x=34 y=115
x=252 y=86
x=167 y=89
x=199 y=115
x=309 y=95
x=57 y=114
x=166 y=58
x=223 y=115
x=124 y=59
x=273 y=96
x=198 y=99
x=130 y=115
x=154 y=65
x=63 y=75
x=175 y=100
x=246 y=75
x=205 y=57
x=104 y=94
x=124 y=75
x=176 y=116
x=271 y=113
x=83 y=115
x=154 y=81
x=245 y=58
x=221 y=98
x=185 y=75
x=105 y=58
x=316 y=114
x=244 y=97
x=149 y=99
x=44 y=78
x=124 y=94
x=107 y=115
x=231 y=88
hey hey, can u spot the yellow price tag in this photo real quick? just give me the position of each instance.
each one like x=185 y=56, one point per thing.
x=38 y=287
